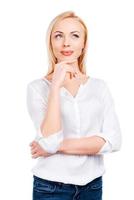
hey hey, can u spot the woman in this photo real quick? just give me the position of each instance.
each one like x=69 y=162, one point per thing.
x=74 y=117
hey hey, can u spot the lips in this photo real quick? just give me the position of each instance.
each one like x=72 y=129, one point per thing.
x=67 y=53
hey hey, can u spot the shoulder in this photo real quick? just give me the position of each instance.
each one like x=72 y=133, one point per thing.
x=103 y=89
x=99 y=87
x=99 y=83
x=38 y=85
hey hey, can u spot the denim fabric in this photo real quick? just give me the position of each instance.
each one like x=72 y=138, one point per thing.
x=51 y=190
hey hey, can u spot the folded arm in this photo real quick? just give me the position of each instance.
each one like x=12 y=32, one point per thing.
x=83 y=146
x=75 y=146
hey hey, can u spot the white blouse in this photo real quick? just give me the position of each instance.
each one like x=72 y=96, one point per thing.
x=90 y=112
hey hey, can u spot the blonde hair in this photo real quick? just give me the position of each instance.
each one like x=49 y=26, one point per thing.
x=52 y=58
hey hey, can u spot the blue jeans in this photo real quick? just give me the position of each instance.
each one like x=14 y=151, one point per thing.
x=51 y=190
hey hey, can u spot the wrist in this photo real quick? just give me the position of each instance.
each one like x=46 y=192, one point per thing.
x=61 y=148
x=55 y=88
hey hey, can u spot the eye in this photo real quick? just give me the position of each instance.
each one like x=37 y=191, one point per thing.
x=58 y=36
x=75 y=36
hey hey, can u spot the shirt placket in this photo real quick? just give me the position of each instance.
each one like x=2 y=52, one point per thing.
x=77 y=116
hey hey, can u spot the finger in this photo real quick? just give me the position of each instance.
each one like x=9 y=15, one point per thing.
x=75 y=74
x=35 y=156
x=34 y=147
x=34 y=143
x=69 y=68
x=71 y=61
x=31 y=143
x=34 y=151
x=67 y=61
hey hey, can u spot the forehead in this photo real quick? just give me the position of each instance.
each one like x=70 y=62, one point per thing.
x=68 y=25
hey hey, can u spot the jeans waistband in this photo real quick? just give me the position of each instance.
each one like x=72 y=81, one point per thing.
x=61 y=183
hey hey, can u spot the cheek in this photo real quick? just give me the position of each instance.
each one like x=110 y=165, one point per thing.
x=57 y=48
x=78 y=48
x=78 y=44
x=57 y=45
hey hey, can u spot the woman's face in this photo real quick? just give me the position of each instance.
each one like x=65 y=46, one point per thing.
x=67 y=39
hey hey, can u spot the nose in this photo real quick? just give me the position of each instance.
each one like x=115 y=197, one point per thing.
x=66 y=42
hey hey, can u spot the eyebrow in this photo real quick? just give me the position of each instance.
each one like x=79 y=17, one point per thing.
x=62 y=32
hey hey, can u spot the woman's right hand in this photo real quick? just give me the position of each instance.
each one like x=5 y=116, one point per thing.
x=60 y=71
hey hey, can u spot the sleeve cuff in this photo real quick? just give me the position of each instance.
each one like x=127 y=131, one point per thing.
x=51 y=143
x=107 y=147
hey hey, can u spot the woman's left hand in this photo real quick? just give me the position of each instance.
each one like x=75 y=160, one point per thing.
x=37 y=150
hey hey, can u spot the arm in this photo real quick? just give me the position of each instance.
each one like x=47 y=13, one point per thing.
x=41 y=109
x=86 y=145
x=80 y=146
x=52 y=119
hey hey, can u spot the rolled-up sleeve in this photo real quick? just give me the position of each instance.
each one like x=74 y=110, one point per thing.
x=110 y=131
x=36 y=106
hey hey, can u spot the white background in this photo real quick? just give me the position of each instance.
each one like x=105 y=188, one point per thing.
x=23 y=58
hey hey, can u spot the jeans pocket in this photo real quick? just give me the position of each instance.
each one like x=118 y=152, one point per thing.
x=43 y=186
x=96 y=185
